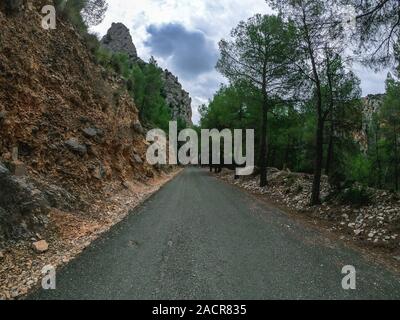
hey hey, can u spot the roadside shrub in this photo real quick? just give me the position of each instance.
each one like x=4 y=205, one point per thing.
x=103 y=57
x=356 y=196
x=121 y=64
x=92 y=43
x=359 y=169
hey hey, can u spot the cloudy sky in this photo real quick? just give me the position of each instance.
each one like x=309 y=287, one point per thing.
x=183 y=36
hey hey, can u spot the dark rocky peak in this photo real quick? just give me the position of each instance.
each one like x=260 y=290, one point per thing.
x=119 y=39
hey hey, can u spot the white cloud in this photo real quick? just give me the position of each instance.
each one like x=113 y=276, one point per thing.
x=371 y=82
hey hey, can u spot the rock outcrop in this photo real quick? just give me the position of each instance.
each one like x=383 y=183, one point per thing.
x=371 y=105
x=118 y=39
x=177 y=99
x=40 y=246
x=23 y=207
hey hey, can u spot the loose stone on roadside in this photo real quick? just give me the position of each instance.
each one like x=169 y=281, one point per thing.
x=40 y=246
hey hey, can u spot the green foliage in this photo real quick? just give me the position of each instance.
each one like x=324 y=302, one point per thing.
x=144 y=83
x=291 y=124
x=258 y=54
x=290 y=145
x=71 y=10
x=103 y=57
x=316 y=112
x=230 y=108
x=389 y=119
x=359 y=168
x=383 y=132
x=121 y=64
x=182 y=124
x=148 y=86
x=356 y=195
x=92 y=43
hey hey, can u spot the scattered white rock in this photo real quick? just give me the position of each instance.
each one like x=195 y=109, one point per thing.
x=40 y=246
x=293 y=190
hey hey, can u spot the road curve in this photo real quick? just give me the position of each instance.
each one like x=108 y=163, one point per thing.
x=199 y=238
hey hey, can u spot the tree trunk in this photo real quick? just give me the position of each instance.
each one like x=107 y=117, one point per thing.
x=378 y=157
x=264 y=144
x=286 y=158
x=319 y=149
x=396 y=162
x=329 y=157
x=264 y=129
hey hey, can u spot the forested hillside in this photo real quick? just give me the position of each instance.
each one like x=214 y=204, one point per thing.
x=291 y=79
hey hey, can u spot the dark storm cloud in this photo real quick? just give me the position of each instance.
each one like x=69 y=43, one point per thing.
x=189 y=52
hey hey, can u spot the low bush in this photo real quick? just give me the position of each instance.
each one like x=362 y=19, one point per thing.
x=356 y=196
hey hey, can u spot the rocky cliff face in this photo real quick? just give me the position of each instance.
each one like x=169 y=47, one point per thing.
x=118 y=39
x=371 y=104
x=70 y=132
x=177 y=99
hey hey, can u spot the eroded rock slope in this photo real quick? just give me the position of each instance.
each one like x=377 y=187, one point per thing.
x=69 y=130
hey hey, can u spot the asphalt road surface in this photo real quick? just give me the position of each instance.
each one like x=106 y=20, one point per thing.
x=200 y=238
